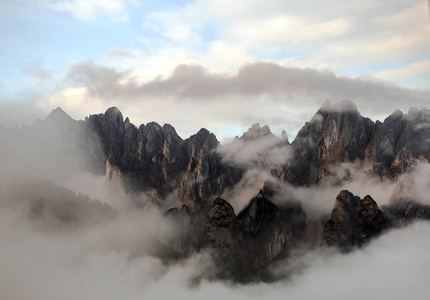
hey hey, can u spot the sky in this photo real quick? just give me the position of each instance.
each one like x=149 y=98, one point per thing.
x=223 y=65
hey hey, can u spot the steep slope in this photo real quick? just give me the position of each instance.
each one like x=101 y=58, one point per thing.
x=353 y=221
x=154 y=158
x=399 y=143
x=336 y=134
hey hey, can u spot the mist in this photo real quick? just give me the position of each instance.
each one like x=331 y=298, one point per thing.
x=97 y=264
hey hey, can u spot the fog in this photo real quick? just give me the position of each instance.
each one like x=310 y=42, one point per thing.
x=97 y=264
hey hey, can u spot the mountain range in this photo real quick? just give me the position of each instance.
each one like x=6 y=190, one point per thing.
x=152 y=163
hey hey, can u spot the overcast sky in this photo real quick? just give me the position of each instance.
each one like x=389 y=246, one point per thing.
x=219 y=64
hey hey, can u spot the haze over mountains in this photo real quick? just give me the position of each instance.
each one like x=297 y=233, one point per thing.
x=250 y=209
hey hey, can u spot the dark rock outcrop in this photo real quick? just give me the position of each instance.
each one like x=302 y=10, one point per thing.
x=221 y=230
x=259 y=233
x=353 y=222
x=271 y=229
x=154 y=158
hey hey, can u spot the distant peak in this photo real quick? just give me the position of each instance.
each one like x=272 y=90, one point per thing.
x=255 y=126
x=412 y=110
x=255 y=131
x=284 y=136
x=57 y=114
x=58 y=110
x=397 y=112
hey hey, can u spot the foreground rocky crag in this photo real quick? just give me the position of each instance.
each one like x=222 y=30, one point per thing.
x=244 y=246
x=254 y=238
x=354 y=221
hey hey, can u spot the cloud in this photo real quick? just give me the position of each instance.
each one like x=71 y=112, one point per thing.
x=111 y=261
x=174 y=26
x=85 y=10
x=196 y=82
x=301 y=35
x=411 y=74
x=282 y=97
x=259 y=152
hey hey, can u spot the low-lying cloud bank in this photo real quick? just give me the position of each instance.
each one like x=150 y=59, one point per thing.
x=101 y=263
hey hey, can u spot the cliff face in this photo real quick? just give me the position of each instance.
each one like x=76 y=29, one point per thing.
x=339 y=134
x=336 y=134
x=154 y=158
x=399 y=143
x=353 y=221
x=272 y=230
x=255 y=237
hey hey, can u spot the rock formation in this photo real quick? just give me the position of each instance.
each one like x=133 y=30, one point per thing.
x=353 y=221
x=399 y=143
x=259 y=233
x=336 y=134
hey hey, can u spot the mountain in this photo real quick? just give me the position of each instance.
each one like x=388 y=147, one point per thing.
x=354 y=221
x=155 y=160
x=336 y=134
x=399 y=143
x=187 y=179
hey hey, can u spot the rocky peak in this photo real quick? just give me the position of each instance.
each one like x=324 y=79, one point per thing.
x=345 y=208
x=170 y=131
x=353 y=221
x=221 y=228
x=284 y=136
x=255 y=132
x=336 y=134
x=369 y=209
x=203 y=139
x=57 y=121
x=58 y=115
x=114 y=116
x=399 y=143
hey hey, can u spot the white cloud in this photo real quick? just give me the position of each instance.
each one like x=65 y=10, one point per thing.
x=174 y=26
x=89 y=10
x=413 y=74
x=363 y=36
